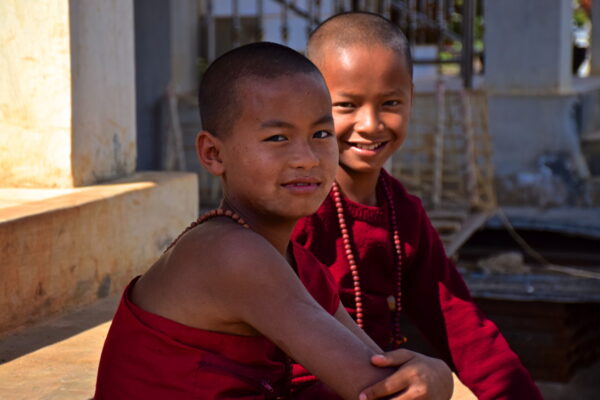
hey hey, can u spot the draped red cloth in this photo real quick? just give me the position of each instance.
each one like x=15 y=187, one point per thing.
x=434 y=295
x=146 y=356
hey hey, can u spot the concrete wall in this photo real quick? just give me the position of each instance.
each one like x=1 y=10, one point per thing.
x=103 y=102
x=528 y=45
x=184 y=45
x=537 y=152
x=153 y=73
x=67 y=98
x=67 y=119
x=69 y=250
x=35 y=94
x=538 y=113
x=536 y=126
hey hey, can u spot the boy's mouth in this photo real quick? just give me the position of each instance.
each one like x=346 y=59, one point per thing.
x=302 y=185
x=367 y=146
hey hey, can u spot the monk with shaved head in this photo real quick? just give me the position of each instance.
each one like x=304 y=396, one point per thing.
x=375 y=237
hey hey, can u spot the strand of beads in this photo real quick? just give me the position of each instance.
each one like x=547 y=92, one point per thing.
x=337 y=197
x=219 y=212
x=398 y=337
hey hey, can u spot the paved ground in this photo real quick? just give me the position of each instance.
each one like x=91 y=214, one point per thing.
x=57 y=360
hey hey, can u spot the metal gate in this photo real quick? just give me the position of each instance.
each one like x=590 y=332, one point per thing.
x=446 y=159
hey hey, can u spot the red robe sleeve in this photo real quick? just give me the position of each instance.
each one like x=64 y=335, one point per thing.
x=316 y=279
x=437 y=300
x=434 y=295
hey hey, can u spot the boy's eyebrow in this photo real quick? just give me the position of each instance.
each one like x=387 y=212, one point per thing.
x=394 y=92
x=325 y=119
x=345 y=94
x=277 y=123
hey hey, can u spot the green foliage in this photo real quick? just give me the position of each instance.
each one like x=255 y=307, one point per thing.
x=580 y=15
x=201 y=65
x=478 y=29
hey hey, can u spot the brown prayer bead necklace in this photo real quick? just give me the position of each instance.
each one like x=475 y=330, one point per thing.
x=394 y=303
x=219 y=212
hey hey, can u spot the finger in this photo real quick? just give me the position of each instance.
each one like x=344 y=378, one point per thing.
x=415 y=392
x=393 y=384
x=392 y=358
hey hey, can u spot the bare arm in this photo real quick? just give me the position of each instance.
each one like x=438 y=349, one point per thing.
x=345 y=319
x=237 y=283
x=258 y=287
x=417 y=376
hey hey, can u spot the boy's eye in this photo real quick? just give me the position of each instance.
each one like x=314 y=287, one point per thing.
x=344 y=104
x=275 y=138
x=391 y=103
x=322 y=134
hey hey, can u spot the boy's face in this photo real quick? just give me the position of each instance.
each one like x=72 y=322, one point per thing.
x=371 y=92
x=281 y=157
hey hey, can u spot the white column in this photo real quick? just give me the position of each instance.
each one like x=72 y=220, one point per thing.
x=528 y=45
x=67 y=94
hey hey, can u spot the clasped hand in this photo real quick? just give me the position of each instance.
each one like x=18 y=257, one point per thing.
x=417 y=377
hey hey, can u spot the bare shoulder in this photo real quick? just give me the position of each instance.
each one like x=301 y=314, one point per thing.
x=224 y=246
x=230 y=275
x=199 y=281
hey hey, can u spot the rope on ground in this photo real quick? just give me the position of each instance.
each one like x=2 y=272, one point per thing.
x=580 y=273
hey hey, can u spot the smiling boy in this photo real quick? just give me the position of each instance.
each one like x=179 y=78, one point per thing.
x=375 y=237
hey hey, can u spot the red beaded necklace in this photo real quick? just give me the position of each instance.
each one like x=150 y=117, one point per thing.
x=219 y=212
x=396 y=303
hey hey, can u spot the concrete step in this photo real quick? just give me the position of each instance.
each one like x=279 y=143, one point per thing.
x=63 y=249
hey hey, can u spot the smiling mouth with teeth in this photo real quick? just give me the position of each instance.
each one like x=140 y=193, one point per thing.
x=373 y=146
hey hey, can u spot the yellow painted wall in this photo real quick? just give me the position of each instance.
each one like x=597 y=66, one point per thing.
x=35 y=94
x=67 y=92
x=67 y=251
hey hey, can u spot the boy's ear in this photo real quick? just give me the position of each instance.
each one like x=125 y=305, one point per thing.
x=208 y=150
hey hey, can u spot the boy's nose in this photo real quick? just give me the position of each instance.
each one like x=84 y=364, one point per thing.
x=303 y=156
x=367 y=121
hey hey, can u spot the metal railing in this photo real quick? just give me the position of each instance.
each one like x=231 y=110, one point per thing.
x=447 y=158
x=423 y=21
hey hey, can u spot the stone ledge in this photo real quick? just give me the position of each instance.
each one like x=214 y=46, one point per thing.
x=63 y=249
x=578 y=86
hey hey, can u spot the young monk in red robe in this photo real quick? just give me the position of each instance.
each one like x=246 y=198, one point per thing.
x=375 y=237
x=224 y=310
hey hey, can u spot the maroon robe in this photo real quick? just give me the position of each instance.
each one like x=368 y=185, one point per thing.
x=434 y=294
x=146 y=356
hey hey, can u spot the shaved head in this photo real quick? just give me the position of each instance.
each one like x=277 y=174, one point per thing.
x=219 y=95
x=357 y=29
